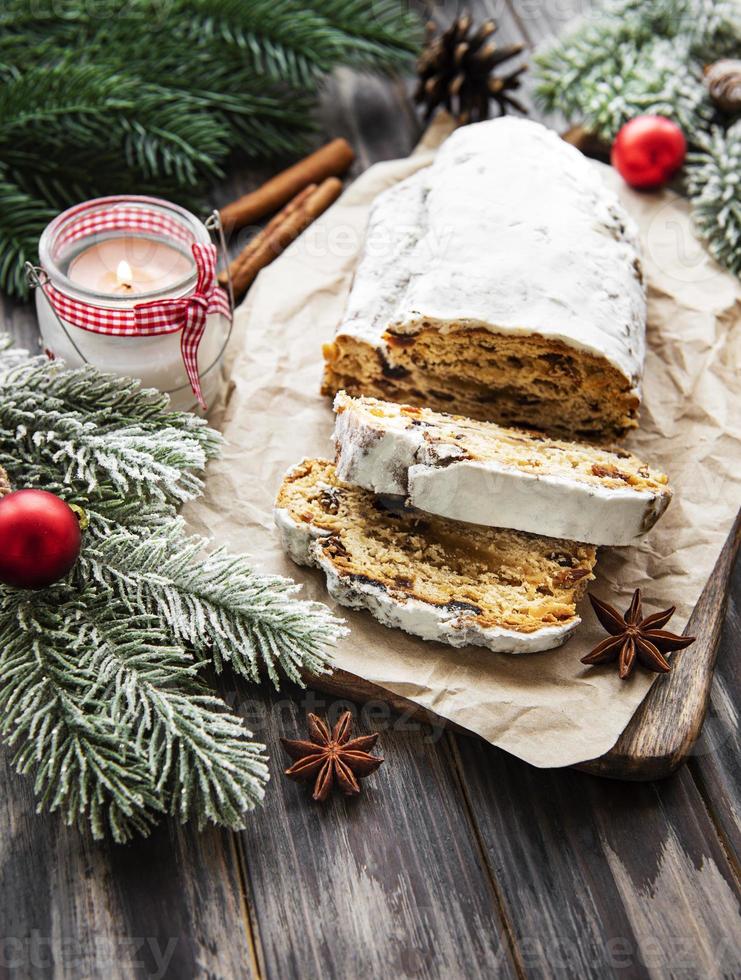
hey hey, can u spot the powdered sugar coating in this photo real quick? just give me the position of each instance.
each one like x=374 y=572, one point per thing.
x=389 y=454
x=510 y=229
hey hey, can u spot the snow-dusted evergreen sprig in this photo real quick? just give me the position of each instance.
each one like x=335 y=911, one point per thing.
x=630 y=57
x=100 y=692
x=83 y=763
x=658 y=81
x=113 y=720
x=96 y=430
x=714 y=182
x=200 y=759
x=215 y=603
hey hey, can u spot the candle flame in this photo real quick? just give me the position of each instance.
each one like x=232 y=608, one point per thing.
x=124 y=275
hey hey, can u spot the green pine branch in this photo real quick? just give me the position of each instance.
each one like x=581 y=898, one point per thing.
x=135 y=95
x=378 y=34
x=22 y=217
x=97 y=117
x=279 y=38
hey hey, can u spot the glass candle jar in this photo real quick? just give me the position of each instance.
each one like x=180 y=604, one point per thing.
x=128 y=284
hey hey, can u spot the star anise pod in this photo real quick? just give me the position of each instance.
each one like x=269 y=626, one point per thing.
x=332 y=755
x=634 y=638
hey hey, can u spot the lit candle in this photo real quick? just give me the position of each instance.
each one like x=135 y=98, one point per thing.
x=113 y=254
x=129 y=266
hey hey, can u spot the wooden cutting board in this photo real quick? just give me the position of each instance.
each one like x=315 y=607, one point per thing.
x=666 y=725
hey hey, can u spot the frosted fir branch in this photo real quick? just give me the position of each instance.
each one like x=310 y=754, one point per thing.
x=201 y=760
x=95 y=430
x=605 y=85
x=713 y=176
x=111 y=398
x=629 y=57
x=104 y=501
x=660 y=81
x=81 y=759
x=714 y=28
x=215 y=603
x=100 y=693
x=112 y=720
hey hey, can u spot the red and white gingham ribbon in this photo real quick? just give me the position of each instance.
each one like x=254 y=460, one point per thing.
x=186 y=314
x=82 y=222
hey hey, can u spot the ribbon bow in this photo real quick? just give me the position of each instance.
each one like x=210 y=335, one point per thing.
x=188 y=314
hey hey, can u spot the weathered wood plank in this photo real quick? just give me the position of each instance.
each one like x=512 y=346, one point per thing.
x=394 y=883
x=715 y=760
x=19 y=322
x=601 y=878
x=71 y=908
x=373 y=114
x=390 y=883
x=532 y=23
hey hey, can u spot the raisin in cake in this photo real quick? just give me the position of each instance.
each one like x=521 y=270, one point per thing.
x=435 y=578
x=487 y=474
x=503 y=282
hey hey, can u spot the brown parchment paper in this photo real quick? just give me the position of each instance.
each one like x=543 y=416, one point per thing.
x=545 y=708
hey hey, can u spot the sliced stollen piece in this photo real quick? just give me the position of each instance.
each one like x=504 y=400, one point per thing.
x=487 y=474
x=502 y=282
x=437 y=579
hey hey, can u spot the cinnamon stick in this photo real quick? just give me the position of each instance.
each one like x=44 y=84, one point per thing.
x=285 y=232
x=331 y=160
x=259 y=239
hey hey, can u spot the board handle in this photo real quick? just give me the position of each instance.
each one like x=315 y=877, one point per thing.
x=660 y=735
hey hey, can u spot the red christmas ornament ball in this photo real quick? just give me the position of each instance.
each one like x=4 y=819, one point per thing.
x=648 y=150
x=40 y=538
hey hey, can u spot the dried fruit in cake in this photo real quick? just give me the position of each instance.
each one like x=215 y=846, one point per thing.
x=502 y=477
x=435 y=578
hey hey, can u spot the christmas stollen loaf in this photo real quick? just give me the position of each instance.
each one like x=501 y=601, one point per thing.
x=504 y=283
x=435 y=578
x=487 y=474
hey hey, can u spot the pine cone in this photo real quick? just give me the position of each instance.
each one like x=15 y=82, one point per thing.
x=455 y=69
x=723 y=79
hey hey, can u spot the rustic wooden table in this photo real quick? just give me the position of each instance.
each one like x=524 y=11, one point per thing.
x=458 y=861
